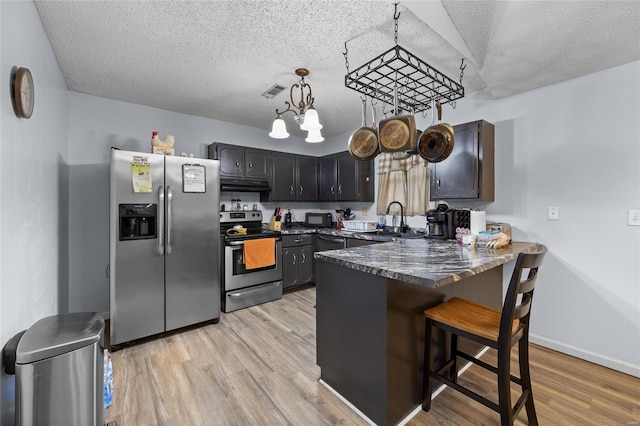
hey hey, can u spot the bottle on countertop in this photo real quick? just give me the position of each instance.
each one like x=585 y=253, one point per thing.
x=287 y=219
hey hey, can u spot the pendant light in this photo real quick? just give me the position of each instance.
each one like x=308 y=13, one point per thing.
x=306 y=115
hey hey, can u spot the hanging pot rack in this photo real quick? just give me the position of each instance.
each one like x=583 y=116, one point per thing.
x=417 y=82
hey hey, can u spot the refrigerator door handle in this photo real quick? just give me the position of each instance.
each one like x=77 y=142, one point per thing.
x=169 y=218
x=161 y=220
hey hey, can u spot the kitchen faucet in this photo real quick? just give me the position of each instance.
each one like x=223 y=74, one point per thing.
x=401 y=213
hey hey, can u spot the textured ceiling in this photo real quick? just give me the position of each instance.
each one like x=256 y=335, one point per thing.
x=213 y=59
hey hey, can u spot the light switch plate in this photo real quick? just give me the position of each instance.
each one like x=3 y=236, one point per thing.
x=634 y=218
x=553 y=213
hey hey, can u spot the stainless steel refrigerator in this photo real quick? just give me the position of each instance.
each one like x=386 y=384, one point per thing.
x=164 y=243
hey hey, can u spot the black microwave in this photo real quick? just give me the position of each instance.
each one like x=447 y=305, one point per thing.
x=318 y=219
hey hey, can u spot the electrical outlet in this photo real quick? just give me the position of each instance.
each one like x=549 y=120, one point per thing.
x=553 y=213
x=634 y=218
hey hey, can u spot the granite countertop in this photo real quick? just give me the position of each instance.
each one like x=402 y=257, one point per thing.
x=372 y=236
x=427 y=262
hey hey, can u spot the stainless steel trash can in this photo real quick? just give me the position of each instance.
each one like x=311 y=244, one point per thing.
x=59 y=371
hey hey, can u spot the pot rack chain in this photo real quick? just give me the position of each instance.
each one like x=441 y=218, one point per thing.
x=422 y=82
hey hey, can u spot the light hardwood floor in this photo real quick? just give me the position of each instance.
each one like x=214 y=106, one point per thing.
x=257 y=367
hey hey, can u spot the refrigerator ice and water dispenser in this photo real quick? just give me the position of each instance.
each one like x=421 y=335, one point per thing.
x=138 y=221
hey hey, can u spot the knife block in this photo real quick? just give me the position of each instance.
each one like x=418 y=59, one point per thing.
x=274 y=225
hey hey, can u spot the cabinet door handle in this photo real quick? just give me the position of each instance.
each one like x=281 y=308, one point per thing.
x=237 y=164
x=291 y=190
x=301 y=189
x=250 y=165
x=304 y=258
x=340 y=189
x=294 y=259
x=438 y=183
x=332 y=190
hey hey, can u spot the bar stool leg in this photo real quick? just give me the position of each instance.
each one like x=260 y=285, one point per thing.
x=426 y=370
x=453 y=371
x=525 y=377
x=504 y=385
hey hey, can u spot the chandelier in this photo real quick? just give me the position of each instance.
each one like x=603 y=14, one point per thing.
x=306 y=116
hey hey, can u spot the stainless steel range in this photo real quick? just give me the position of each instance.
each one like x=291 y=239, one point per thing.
x=242 y=287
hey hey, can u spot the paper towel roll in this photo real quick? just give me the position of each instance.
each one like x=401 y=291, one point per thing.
x=478 y=221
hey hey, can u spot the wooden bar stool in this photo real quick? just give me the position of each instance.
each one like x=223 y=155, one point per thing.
x=498 y=330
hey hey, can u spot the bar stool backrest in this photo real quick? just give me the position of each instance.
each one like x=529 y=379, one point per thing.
x=516 y=308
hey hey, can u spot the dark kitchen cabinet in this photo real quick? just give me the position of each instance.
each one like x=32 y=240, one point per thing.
x=327 y=177
x=307 y=178
x=294 y=177
x=231 y=159
x=283 y=177
x=341 y=177
x=468 y=173
x=256 y=163
x=297 y=260
x=239 y=162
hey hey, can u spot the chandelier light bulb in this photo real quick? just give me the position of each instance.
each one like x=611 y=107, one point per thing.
x=314 y=136
x=311 y=120
x=279 y=129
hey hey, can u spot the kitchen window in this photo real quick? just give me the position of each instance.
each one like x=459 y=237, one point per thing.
x=406 y=181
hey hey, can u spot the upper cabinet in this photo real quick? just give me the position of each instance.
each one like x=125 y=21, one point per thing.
x=343 y=178
x=256 y=163
x=240 y=162
x=335 y=177
x=468 y=173
x=294 y=177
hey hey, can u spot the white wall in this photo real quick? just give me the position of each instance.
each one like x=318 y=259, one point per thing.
x=34 y=185
x=573 y=145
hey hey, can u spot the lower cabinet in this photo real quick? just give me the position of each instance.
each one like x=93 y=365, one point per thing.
x=297 y=260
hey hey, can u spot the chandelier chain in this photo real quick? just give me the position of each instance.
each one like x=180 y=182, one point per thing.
x=396 y=15
x=346 y=58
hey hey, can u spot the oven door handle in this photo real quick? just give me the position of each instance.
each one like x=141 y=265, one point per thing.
x=241 y=242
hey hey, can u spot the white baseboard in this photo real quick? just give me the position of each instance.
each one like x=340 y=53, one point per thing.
x=596 y=358
x=346 y=401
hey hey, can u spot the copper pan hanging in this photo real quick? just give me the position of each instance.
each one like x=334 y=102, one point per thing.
x=397 y=133
x=363 y=143
x=436 y=142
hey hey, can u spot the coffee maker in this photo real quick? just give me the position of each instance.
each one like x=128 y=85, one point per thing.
x=438 y=222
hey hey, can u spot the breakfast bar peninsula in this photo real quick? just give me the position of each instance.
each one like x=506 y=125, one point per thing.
x=369 y=314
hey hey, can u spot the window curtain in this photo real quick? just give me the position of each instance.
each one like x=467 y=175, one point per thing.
x=406 y=181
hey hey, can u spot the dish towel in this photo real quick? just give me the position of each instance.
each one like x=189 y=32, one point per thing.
x=259 y=253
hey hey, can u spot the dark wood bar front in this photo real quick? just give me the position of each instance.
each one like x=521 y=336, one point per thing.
x=370 y=322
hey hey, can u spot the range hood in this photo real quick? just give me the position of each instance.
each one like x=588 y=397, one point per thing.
x=244 y=185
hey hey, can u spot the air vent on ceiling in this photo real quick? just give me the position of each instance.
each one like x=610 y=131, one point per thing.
x=273 y=91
